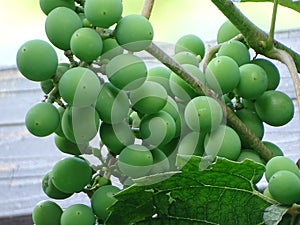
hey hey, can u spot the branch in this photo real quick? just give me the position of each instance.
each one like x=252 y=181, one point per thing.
x=147 y=8
x=287 y=59
x=256 y=38
x=201 y=89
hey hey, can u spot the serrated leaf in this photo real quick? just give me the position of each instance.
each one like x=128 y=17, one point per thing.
x=221 y=193
x=292 y=4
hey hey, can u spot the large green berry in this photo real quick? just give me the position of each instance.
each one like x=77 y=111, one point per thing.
x=86 y=44
x=103 y=13
x=149 y=98
x=223 y=142
x=60 y=25
x=222 y=74
x=78 y=214
x=47 y=6
x=135 y=160
x=47 y=213
x=134 y=32
x=284 y=187
x=102 y=199
x=226 y=32
x=190 y=43
x=275 y=108
x=278 y=163
x=50 y=190
x=235 y=50
x=253 y=81
x=71 y=174
x=203 y=114
x=79 y=86
x=126 y=71
x=32 y=65
x=271 y=71
x=42 y=119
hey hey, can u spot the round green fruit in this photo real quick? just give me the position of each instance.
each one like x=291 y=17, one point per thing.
x=112 y=104
x=47 y=212
x=284 y=187
x=273 y=148
x=226 y=32
x=30 y=63
x=50 y=190
x=68 y=147
x=78 y=214
x=42 y=119
x=186 y=58
x=79 y=86
x=134 y=32
x=102 y=199
x=86 y=44
x=80 y=124
x=222 y=74
x=235 y=50
x=149 y=98
x=103 y=13
x=135 y=161
x=157 y=128
x=253 y=81
x=47 y=6
x=203 y=114
x=275 y=108
x=223 y=142
x=271 y=71
x=278 y=163
x=126 y=71
x=180 y=88
x=71 y=174
x=192 y=144
x=60 y=25
x=190 y=43
x=116 y=136
x=160 y=75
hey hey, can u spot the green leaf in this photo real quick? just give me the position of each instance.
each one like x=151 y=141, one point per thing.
x=214 y=194
x=274 y=214
x=295 y=5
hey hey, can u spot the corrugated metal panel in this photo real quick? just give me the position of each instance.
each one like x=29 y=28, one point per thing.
x=24 y=159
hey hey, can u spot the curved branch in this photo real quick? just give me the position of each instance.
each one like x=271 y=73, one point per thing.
x=287 y=59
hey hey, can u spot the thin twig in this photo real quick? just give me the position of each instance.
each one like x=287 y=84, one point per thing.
x=147 y=8
x=273 y=23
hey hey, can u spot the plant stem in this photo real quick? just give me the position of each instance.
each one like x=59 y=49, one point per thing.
x=201 y=89
x=147 y=8
x=273 y=23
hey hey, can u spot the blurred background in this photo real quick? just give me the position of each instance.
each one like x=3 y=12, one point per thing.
x=23 y=20
x=24 y=159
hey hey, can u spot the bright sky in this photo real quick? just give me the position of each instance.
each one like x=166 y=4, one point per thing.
x=21 y=21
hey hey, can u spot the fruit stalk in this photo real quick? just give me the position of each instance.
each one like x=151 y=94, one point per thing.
x=147 y=8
